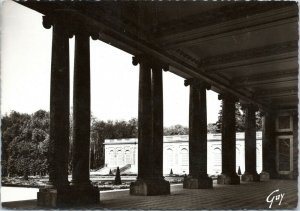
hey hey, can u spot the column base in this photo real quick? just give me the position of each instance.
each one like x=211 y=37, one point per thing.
x=86 y=194
x=52 y=197
x=67 y=197
x=264 y=176
x=198 y=183
x=150 y=187
x=248 y=177
x=225 y=179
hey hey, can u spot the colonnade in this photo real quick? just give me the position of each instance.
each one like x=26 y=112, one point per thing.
x=150 y=180
x=59 y=192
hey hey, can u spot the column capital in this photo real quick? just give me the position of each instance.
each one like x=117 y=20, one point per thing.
x=47 y=22
x=70 y=23
x=154 y=63
x=199 y=84
x=228 y=96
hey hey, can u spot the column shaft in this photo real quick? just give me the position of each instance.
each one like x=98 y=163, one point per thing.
x=158 y=128
x=194 y=138
x=198 y=177
x=250 y=144
x=150 y=179
x=59 y=108
x=269 y=149
x=228 y=175
x=202 y=132
x=250 y=141
x=228 y=137
x=81 y=111
x=145 y=123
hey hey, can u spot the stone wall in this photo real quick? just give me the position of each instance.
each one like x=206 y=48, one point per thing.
x=120 y=152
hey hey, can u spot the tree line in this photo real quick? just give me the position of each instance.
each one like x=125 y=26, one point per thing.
x=25 y=139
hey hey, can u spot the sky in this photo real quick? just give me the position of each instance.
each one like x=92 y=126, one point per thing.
x=26 y=65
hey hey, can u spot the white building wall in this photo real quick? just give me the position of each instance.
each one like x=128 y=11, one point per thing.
x=175 y=153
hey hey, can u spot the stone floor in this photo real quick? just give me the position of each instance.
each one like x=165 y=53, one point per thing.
x=244 y=196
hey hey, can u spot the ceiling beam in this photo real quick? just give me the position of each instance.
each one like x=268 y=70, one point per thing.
x=228 y=27
x=276 y=92
x=266 y=82
x=271 y=84
x=265 y=76
x=260 y=54
x=250 y=65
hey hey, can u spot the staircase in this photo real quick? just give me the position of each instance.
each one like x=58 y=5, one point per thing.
x=122 y=169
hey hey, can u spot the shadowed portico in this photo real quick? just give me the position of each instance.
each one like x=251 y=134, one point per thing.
x=245 y=51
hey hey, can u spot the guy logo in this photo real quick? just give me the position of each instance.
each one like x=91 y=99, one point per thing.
x=275 y=197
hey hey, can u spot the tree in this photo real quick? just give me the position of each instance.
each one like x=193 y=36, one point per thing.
x=176 y=130
x=212 y=128
x=240 y=119
x=27 y=152
x=118 y=177
x=258 y=120
x=25 y=141
x=11 y=126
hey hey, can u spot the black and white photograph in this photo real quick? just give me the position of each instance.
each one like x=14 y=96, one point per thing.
x=149 y=105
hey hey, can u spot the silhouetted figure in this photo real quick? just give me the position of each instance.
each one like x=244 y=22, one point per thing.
x=171 y=172
x=110 y=172
x=118 y=177
x=239 y=171
x=25 y=175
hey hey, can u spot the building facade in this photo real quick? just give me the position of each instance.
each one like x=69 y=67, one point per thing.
x=123 y=153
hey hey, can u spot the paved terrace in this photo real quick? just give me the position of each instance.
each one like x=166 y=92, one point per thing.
x=244 y=196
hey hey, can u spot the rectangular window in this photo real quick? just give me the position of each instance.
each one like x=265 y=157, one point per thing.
x=284 y=123
x=284 y=154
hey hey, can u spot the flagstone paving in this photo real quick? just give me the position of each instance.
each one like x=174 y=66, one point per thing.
x=244 y=196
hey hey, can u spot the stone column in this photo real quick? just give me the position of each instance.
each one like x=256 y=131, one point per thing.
x=268 y=147
x=250 y=144
x=150 y=131
x=229 y=175
x=82 y=190
x=198 y=177
x=56 y=193
x=157 y=117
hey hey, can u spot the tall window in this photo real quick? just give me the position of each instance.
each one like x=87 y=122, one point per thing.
x=111 y=158
x=184 y=157
x=284 y=154
x=217 y=161
x=169 y=158
x=127 y=157
x=119 y=158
